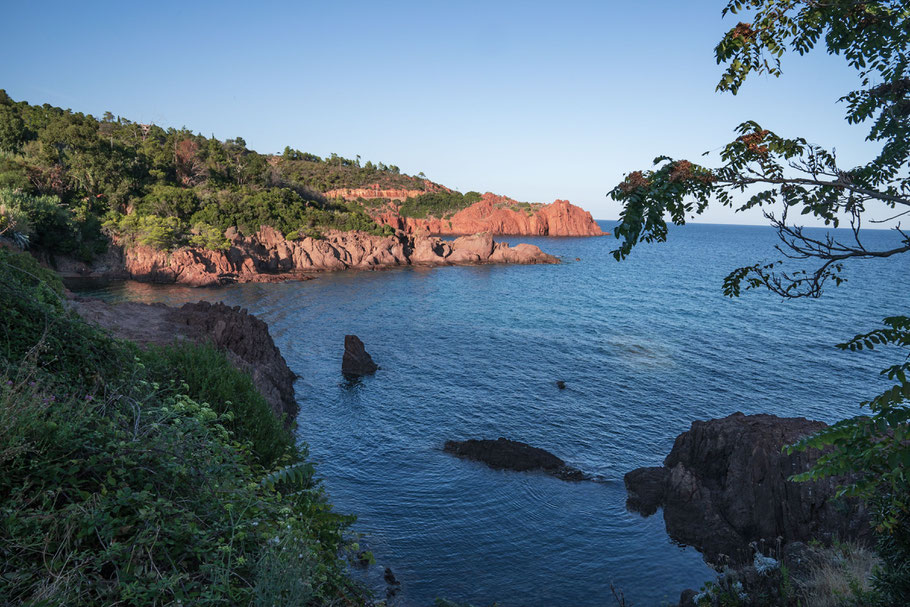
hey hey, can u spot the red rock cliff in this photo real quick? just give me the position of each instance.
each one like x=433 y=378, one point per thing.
x=267 y=257
x=501 y=215
x=374 y=191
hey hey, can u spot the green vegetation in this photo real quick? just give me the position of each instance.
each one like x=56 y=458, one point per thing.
x=437 y=204
x=146 y=478
x=337 y=172
x=73 y=180
x=767 y=169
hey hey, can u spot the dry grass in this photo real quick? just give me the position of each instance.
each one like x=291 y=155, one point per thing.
x=836 y=574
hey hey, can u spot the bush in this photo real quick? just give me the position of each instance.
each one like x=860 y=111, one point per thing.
x=437 y=204
x=54 y=226
x=129 y=478
x=208 y=377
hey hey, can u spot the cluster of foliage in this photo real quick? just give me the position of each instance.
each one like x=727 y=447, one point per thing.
x=146 y=477
x=528 y=207
x=45 y=222
x=437 y=204
x=73 y=180
x=764 y=169
x=336 y=172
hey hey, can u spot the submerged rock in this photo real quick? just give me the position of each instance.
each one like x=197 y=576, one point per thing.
x=724 y=485
x=356 y=360
x=504 y=454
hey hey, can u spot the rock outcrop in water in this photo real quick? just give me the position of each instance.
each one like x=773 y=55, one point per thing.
x=500 y=215
x=268 y=257
x=724 y=485
x=504 y=454
x=356 y=361
x=241 y=336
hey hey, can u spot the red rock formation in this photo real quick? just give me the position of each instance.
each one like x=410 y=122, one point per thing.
x=374 y=191
x=267 y=257
x=501 y=215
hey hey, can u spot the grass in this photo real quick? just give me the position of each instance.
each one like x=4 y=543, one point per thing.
x=839 y=574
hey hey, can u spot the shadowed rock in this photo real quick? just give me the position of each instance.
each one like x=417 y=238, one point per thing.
x=504 y=454
x=356 y=360
x=724 y=485
x=243 y=338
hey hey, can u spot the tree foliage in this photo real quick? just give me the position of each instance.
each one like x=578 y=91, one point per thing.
x=437 y=204
x=166 y=187
x=761 y=169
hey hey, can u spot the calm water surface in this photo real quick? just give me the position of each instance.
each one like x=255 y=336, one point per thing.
x=644 y=346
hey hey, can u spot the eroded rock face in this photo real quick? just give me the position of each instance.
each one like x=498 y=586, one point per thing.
x=724 y=485
x=372 y=193
x=241 y=336
x=505 y=454
x=267 y=257
x=501 y=215
x=356 y=361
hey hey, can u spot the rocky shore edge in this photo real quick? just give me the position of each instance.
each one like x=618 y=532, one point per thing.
x=267 y=256
x=243 y=338
x=724 y=489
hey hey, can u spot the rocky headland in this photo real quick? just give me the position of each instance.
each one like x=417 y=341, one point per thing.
x=267 y=256
x=505 y=454
x=243 y=338
x=724 y=486
x=501 y=215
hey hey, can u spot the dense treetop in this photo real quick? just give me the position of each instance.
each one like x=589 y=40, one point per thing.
x=69 y=180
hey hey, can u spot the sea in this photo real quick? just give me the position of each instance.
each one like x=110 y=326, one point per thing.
x=645 y=346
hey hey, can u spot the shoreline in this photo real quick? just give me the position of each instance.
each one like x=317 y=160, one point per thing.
x=267 y=257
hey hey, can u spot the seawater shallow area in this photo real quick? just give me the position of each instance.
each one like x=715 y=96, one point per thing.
x=645 y=347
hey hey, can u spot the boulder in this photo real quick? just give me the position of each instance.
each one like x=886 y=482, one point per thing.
x=724 y=485
x=646 y=488
x=356 y=360
x=505 y=454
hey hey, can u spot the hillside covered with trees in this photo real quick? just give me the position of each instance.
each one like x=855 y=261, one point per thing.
x=69 y=181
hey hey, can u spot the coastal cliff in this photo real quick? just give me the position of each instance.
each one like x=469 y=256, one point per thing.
x=376 y=192
x=267 y=256
x=725 y=485
x=243 y=338
x=500 y=215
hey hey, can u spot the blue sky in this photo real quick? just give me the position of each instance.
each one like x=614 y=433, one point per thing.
x=534 y=100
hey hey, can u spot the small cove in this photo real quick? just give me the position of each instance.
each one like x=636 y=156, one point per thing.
x=644 y=346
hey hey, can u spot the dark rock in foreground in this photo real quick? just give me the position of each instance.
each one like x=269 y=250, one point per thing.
x=504 y=454
x=725 y=485
x=356 y=360
x=243 y=338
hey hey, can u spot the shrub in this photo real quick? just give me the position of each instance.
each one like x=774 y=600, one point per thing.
x=208 y=377
x=437 y=204
x=129 y=478
x=54 y=226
